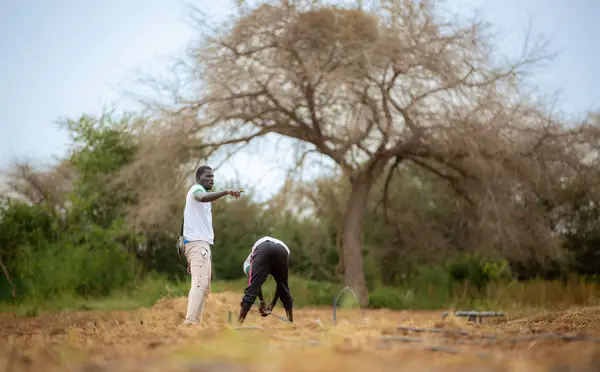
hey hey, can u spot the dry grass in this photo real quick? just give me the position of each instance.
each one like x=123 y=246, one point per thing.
x=154 y=339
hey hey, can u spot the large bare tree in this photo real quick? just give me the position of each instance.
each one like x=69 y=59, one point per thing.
x=371 y=89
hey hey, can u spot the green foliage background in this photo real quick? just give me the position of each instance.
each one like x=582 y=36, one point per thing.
x=84 y=248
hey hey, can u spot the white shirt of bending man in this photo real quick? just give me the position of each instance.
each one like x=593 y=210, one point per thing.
x=246 y=265
x=199 y=237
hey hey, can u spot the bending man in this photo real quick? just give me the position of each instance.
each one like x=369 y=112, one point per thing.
x=268 y=256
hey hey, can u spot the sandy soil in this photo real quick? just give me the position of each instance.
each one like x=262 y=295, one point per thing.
x=154 y=340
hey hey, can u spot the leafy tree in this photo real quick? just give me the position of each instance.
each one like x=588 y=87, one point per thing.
x=64 y=229
x=101 y=146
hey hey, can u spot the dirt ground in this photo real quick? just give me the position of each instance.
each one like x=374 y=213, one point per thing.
x=155 y=340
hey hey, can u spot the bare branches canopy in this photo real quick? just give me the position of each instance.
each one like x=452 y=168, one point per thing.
x=370 y=87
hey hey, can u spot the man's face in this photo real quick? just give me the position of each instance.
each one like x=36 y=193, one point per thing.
x=207 y=179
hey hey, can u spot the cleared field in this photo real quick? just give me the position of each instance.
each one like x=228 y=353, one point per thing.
x=154 y=340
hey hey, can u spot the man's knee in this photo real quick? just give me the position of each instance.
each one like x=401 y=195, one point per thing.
x=202 y=284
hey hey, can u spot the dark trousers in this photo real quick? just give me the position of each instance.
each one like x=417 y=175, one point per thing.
x=268 y=258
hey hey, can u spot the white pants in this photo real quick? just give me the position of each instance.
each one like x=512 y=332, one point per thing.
x=199 y=257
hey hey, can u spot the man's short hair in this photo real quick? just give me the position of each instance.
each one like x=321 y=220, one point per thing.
x=200 y=171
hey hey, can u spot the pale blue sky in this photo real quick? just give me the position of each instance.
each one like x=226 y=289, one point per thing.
x=66 y=57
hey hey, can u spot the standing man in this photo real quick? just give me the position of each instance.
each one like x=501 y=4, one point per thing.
x=198 y=237
x=268 y=256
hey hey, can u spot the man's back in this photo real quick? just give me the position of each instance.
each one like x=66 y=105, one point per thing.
x=268 y=238
x=197 y=218
x=246 y=266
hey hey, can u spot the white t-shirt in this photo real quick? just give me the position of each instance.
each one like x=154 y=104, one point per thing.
x=246 y=266
x=197 y=218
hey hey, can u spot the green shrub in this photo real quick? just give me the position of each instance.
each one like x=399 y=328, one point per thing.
x=82 y=270
x=391 y=298
x=477 y=271
x=105 y=264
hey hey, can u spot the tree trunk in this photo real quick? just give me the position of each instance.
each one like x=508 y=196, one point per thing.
x=352 y=238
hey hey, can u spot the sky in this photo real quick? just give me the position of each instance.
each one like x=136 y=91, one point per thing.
x=63 y=58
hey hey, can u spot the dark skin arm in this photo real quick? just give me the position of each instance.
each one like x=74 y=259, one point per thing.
x=208 y=197
x=272 y=305
x=263 y=305
x=275 y=298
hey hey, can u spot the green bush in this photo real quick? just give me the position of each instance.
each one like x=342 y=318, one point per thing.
x=44 y=262
x=391 y=298
x=477 y=271
x=105 y=270
x=462 y=281
x=93 y=270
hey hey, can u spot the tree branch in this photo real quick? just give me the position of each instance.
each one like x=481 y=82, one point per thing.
x=454 y=182
x=388 y=179
x=12 y=286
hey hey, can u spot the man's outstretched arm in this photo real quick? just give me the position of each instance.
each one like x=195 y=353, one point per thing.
x=207 y=197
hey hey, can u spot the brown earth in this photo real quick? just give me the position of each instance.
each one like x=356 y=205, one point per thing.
x=154 y=340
